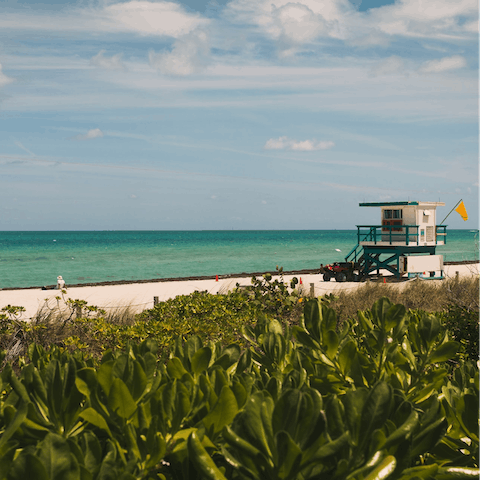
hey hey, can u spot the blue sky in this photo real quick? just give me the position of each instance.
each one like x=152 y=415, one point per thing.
x=240 y=114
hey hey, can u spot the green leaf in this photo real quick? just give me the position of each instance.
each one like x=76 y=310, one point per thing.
x=469 y=417
x=202 y=460
x=429 y=328
x=92 y=416
x=201 y=359
x=429 y=437
x=55 y=455
x=120 y=400
x=28 y=466
x=192 y=345
x=223 y=412
x=354 y=401
x=139 y=383
x=92 y=451
x=376 y=409
x=254 y=423
x=384 y=470
x=289 y=455
x=457 y=473
x=157 y=447
x=13 y=426
x=312 y=318
x=379 y=311
x=316 y=454
x=444 y=352
x=394 y=316
x=175 y=368
x=347 y=356
x=105 y=376
x=331 y=341
x=335 y=413
x=7 y=453
x=403 y=432
x=245 y=361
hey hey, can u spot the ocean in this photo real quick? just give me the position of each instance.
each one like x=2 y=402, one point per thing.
x=29 y=259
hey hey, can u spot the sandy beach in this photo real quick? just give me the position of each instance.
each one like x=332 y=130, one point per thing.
x=140 y=296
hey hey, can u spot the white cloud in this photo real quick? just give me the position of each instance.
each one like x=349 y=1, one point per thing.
x=444 y=64
x=20 y=145
x=285 y=143
x=428 y=18
x=190 y=54
x=152 y=18
x=305 y=21
x=109 y=63
x=297 y=23
x=159 y=18
x=390 y=66
x=91 y=134
x=4 y=80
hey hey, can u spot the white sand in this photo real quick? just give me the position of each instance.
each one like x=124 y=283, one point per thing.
x=140 y=295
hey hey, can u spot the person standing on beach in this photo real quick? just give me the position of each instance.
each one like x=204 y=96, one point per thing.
x=60 y=283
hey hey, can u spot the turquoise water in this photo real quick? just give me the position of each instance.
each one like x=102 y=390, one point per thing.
x=36 y=258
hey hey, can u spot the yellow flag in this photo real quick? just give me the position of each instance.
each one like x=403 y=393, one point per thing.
x=462 y=210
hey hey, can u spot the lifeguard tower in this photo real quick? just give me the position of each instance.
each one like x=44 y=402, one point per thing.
x=404 y=241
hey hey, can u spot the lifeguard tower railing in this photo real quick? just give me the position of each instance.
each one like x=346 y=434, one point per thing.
x=393 y=235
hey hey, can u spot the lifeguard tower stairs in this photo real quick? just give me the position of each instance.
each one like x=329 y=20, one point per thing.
x=403 y=242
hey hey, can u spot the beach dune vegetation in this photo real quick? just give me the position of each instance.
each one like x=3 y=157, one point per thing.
x=390 y=394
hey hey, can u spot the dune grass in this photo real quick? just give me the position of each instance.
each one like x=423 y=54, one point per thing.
x=430 y=296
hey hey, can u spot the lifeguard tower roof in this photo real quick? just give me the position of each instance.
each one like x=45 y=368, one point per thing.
x=402 y=204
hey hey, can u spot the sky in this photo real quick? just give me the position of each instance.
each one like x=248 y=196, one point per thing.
x=235 y=114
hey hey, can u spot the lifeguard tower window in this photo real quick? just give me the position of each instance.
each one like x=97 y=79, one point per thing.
x=388 y=214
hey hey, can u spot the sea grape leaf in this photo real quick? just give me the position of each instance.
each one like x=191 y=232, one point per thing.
x=175 y=368
x=222 y=413
x=331 y=342
x=312 y=319
x=469 y=417
x=379 y=311
x=254 y=423
x=202 y=460
x=289 y=455
x=384 y=469
x=394 y=316
x=376 y=409
x=192 y=345
x=201 y=359
x=28 y=466
x=245 y=361
x=55 y=455
x=429 y=328
x=93 y=417
x=346 y=356
x=139 y=381
x=18 y=419
x=92 y=451
x=444 y=352
x=105 y=376
x=354 y=401
x=335 y=413
x=120 y=400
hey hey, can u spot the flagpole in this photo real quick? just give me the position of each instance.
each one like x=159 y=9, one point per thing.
x=458 y=203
